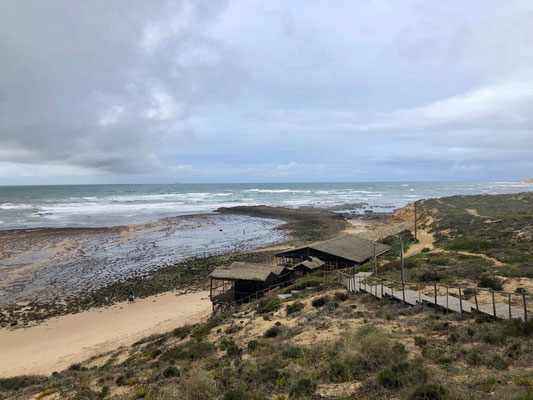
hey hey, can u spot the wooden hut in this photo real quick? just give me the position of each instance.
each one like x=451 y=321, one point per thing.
x=342 y=252
x=241 y=280
x=307 y=266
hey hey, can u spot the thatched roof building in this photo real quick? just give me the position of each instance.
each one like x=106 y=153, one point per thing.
x=308 y=266
x=240 y=280
x=247 y=271
x=342 y=252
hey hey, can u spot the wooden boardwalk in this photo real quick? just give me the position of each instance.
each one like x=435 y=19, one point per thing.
x=363 y=282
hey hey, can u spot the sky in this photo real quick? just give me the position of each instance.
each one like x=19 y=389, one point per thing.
x=130 y=91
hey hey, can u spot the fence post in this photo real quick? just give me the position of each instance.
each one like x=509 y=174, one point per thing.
x=525 y=306
x=392 y=290
x=493 y=304
x=403 y=291
x=510 y=311
x=460 y=300
x=475 y=298
x=435 y=285
x=419 y=295
x=447 y=307
x=382 y=288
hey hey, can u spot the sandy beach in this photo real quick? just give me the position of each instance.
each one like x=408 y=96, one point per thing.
x=60 y=342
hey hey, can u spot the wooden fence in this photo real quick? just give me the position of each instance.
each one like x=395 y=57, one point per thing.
x=457 y=298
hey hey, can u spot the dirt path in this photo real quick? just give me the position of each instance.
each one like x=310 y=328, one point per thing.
x=375 y=230
x=60 y=342
x=473 y=212
x=425 y=240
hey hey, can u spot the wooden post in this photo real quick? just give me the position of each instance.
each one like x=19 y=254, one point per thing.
x=382 y=288
x=415 y=222
x=475 y=298
x=460 y=300
x=525 y=306
x=375 y=260
x=401 y=260
x=447 y=299
x=493 y=304
x=435 y=284
x=510 y=311
x=419 y=295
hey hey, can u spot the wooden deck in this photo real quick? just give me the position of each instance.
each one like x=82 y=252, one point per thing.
x=362 y=282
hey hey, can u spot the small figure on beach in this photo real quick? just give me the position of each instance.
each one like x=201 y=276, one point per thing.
x=131 y=297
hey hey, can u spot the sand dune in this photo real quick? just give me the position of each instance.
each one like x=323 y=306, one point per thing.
x=60 y=342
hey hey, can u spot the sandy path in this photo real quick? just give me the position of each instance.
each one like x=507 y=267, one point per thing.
x=425 y=240
x=60 y=342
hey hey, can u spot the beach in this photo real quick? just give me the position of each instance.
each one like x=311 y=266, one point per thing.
x=60 y=342
x=54 y=264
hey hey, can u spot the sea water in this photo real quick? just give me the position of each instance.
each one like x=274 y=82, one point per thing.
x=111 y=205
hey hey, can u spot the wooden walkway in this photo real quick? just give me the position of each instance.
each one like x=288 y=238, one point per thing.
x=380 y=288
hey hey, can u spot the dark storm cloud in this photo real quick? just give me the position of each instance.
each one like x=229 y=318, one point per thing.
x=100 y=84
x=187 y=90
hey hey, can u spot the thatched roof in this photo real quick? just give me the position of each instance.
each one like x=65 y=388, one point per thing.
x=348 y=247
x=312 y=264
x=247 y=271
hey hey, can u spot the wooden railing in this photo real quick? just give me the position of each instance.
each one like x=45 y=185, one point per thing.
x=376 y=287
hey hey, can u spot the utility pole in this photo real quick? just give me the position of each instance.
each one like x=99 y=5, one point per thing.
x=402 y=271
x=375 y=260
x=416 y=220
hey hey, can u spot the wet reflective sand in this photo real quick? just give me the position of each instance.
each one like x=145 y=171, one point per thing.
x=52 y=264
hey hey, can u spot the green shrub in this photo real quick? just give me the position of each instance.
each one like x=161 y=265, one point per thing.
x=517 y=327
x=121 y=380
x=497 y=362
x=294 y=307
x=75 y=367
x=272 y=332
x=188 y=351
x=231 y=347
x=474 y=356
x=490 y=282
x=420 y=341
x=182 y=331
x=303 y=387
x=266 y=306
x=292 y=352
x=341 y=296
x=370 y=349
x=426 y=250
x=104 y=392
x=252 y=345
x=320 y=301
x=171 y=371
x=394 y=376
x=20 y=382
x=236 y=395
x=429 y=391
x=339 y=371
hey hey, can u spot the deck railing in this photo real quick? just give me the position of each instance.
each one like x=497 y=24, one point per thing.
x=500 y=304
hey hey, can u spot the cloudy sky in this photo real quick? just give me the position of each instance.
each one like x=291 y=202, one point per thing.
x=251 y=91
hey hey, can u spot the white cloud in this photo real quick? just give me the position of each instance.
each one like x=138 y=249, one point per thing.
x=111 y=116
x=163 y=108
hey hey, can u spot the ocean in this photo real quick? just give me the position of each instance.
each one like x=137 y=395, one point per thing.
x=112 y=205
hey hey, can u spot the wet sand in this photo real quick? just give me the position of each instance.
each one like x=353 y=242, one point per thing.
x=62 y=341
x=50 y=265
